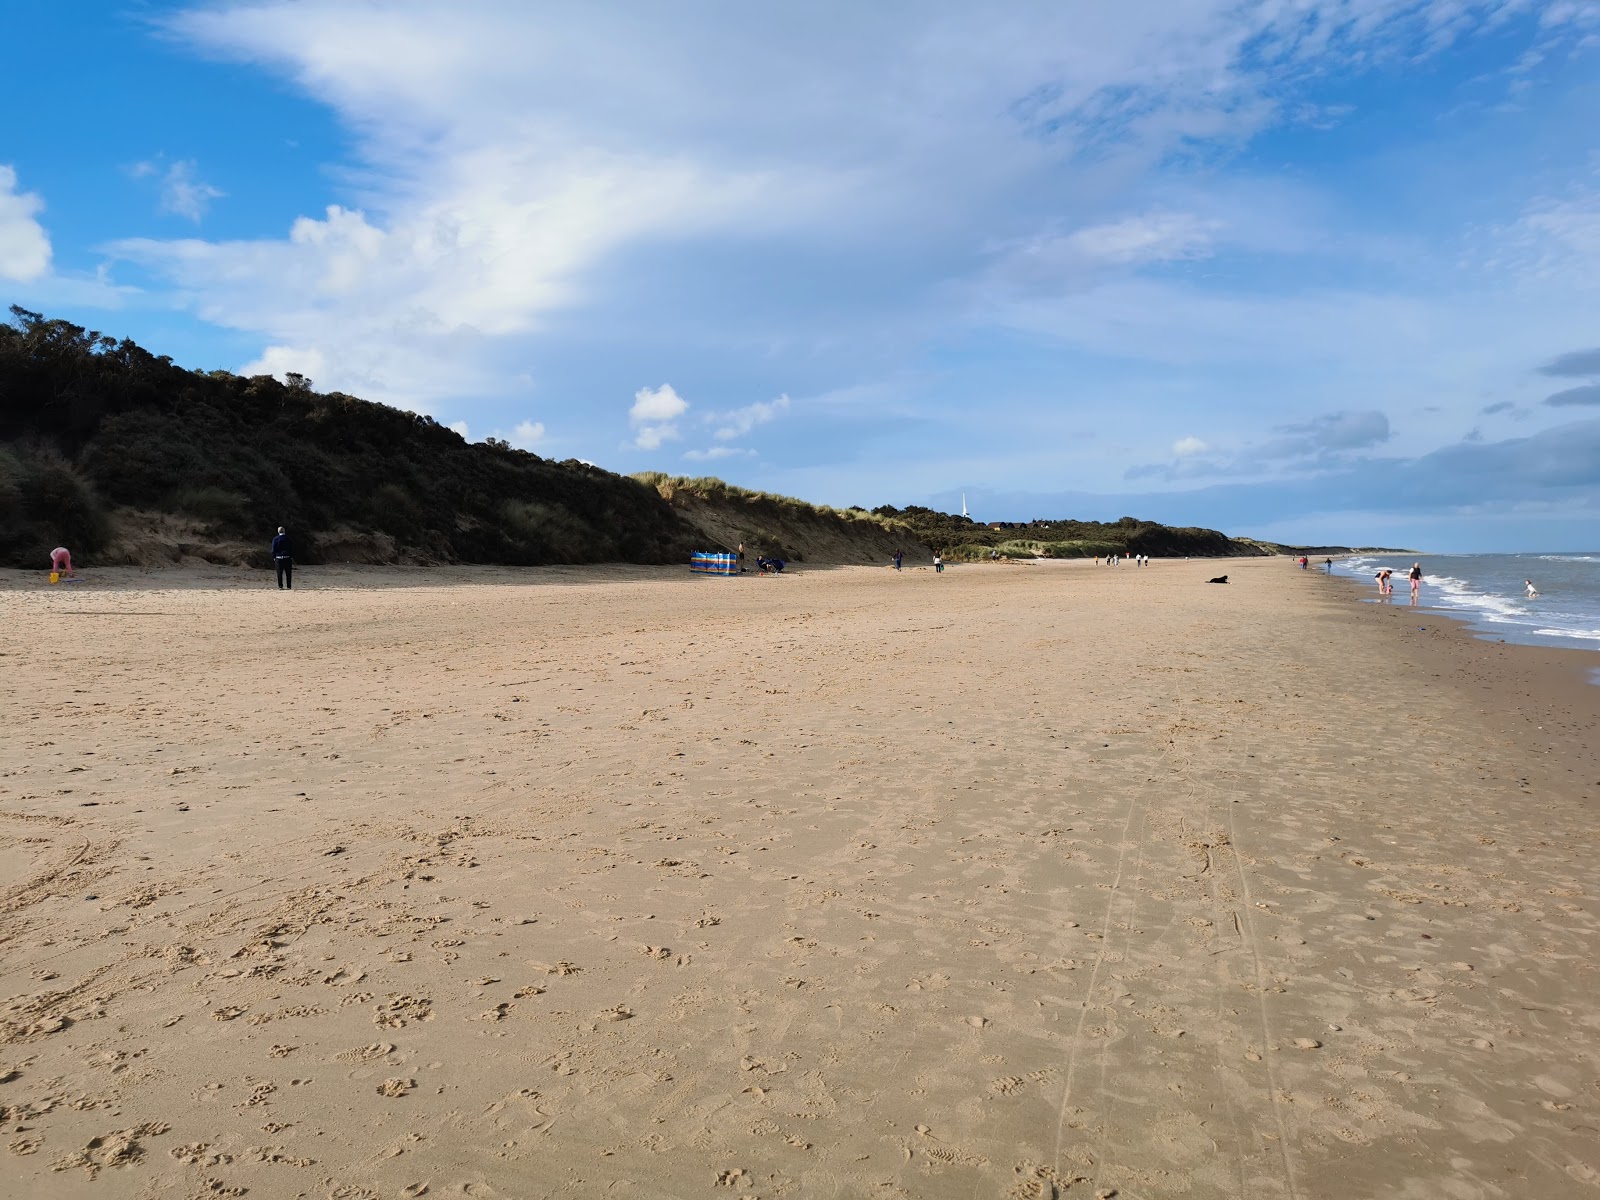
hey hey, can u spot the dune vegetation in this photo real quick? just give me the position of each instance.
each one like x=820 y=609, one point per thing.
x=126 y=457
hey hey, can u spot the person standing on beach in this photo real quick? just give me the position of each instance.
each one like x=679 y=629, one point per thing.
x=938 y=563
x=283 y=559
x=1330 y=565
x=899 y=556
x=1415 y=576
x=741 y=558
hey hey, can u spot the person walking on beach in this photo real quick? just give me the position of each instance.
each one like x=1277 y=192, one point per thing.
x=1415 y=575
x=741 y=558
x=283 y=559
x=899 y=557
x=1329 y=561
x=61 y=562
x=938 y=563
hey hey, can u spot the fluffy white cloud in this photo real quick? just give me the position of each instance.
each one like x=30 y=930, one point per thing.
x=282 y=361
x=24 y=245
x=462 y=428
x=653 y=405
x=740 y=421
x=654 y=415
x=1185 y=447
x=527 y=434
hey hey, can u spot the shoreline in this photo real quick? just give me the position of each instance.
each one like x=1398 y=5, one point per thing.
x=1542 y=695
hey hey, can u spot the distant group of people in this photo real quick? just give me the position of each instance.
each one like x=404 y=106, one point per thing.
x=899 y=558
x=1138 y=560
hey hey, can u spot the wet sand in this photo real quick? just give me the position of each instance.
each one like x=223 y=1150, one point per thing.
x=1020 y=881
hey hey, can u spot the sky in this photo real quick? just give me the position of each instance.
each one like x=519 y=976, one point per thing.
x=1323 y=271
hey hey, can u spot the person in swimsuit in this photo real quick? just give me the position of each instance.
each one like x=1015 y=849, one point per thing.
x=1415 y=575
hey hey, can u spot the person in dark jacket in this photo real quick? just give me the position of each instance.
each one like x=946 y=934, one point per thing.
x=283 y=559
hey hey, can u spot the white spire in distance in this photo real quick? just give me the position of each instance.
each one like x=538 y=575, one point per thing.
x=964 y=511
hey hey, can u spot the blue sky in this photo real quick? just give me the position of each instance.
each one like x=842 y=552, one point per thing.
x=1322 y=271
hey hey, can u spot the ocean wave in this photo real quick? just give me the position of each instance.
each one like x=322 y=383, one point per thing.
x=1501 y=609
x=1569 y=557
x=1587 y=635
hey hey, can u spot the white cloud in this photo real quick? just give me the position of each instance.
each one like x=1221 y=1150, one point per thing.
x=651 y=436
x=1185 y=447
x=527 y=434
x=651 y=405
x=24 y=245
x=711 y=453
x=461 y=428
x=508 y=152
x=185 y=194
x=282 y=361
x=1153 y=237
x=654 y=415
x=1556 y=239
x=740 y=421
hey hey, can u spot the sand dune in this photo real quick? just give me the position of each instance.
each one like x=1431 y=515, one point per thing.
x=1016 y=881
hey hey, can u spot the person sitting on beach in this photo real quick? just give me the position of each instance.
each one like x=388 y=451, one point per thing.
x=61 y=561
x=1532 y=591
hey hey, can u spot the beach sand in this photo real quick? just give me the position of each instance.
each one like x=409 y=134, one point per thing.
x=1018 y=881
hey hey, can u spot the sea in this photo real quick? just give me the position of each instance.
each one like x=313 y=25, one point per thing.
x=1489 y=591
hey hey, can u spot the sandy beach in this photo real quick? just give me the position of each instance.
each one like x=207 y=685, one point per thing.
x=1021 y=881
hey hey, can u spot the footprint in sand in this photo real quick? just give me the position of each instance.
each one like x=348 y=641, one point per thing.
x=363 y=1054
x=399 y=1011
x=395 y=1087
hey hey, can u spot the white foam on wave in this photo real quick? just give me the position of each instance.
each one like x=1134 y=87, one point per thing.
x=1569 y=557
x=1499 y=609
x=1587 y=635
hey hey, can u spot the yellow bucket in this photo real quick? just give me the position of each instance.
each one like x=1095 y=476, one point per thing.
x=55 y=576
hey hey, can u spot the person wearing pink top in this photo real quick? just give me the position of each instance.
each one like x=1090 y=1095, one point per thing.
x=61 y=560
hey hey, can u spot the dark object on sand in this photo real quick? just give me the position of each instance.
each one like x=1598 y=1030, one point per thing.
x=1218 y=579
